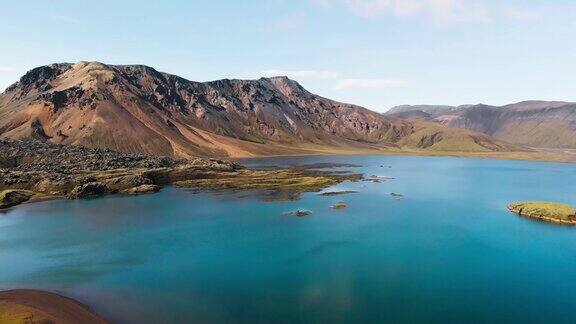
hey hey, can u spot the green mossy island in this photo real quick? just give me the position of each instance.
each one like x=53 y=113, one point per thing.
x=547 y=211
x=339 y=205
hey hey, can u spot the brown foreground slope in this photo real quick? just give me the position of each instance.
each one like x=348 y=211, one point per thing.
x=136 y=109
x=33 y=306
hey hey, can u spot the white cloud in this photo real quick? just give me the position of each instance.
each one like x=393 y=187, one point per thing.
x=518 y=13
x=373 y=8
x=65 y=19
x=438 y=11
x=336 y=80
x=302 y=74
x=6 y=69
x=290 y=22
x=370 y=84
x=457 y=11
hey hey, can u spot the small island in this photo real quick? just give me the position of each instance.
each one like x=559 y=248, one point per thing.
x=546 y=211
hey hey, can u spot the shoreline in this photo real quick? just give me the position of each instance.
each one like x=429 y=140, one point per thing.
x=214 y=180
x=541 y=155
x=39 y=306
x=290 y=181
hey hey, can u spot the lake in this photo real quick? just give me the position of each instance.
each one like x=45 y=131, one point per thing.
x=447 y=251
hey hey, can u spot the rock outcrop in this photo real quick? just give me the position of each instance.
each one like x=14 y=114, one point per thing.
x=142 y=189
x=10 y=198
x=89 y=190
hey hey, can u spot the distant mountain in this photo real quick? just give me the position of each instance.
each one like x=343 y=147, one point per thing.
x=549 y=124
x=136 y=109
x=430 y=109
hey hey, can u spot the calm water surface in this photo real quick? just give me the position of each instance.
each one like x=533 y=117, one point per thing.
x=447 y=252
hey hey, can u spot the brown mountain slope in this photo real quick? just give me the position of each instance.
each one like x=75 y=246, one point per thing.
x=549 y=124
x=134 y=108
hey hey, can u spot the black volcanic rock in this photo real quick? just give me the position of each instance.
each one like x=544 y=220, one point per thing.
x=47 y=157
x=89 y=190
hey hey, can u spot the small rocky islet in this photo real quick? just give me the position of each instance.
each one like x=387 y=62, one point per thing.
x=551 y=212
x=339 y=205
x=299 y=213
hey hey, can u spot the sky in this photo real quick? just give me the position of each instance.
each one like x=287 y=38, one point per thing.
x=374 y=53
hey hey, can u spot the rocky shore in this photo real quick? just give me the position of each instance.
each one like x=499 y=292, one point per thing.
x=35 y=170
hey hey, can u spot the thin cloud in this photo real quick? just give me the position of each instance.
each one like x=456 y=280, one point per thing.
x=302 y=74
x=438 y=11
x=290 y=22
x=7 y=69
x=368 y=84
x=373 y=8
x=518 y=13
x=336 y=80
x=65 y=19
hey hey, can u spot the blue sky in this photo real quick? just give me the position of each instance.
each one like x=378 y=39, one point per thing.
x=375 y=53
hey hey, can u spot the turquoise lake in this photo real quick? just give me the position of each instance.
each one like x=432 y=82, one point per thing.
x=447 y=252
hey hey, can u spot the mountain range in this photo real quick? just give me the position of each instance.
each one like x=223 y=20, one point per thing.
x=136 y=109
x=540 y=124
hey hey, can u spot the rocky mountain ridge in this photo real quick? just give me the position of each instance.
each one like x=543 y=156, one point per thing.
x=136 y=109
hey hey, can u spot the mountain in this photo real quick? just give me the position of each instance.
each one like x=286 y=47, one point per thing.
x=136 y=109
x=430 y=109
x=547 y=124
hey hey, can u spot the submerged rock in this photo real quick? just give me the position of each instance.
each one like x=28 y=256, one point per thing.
x=339 y=205
x=300 y=213
x=396 y=195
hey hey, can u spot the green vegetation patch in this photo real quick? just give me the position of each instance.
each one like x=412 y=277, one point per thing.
x=291 y=180
x=339 y=205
